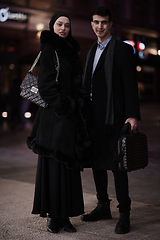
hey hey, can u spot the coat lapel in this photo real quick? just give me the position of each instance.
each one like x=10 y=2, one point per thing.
x=89 y=64
x=102 y=58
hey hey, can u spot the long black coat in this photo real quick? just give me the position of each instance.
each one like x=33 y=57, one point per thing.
x=125 y=100
x=55 y=135
x=58 y=130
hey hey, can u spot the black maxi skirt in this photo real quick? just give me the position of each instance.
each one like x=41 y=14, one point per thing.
x=58 y=190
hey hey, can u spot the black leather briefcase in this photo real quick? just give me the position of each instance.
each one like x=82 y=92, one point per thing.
x=132 y=150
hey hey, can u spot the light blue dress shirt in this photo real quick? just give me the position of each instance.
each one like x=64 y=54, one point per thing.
x=99 y=51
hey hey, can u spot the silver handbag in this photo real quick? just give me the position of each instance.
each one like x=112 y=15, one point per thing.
x=29 y=86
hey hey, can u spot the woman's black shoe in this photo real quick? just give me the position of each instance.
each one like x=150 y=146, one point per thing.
x=68 y=227
x=52 y=225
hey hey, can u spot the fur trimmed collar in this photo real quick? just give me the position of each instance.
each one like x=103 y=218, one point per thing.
x=59 y=43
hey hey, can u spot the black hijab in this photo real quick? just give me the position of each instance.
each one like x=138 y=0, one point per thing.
x=53 y=20
x=68 y=45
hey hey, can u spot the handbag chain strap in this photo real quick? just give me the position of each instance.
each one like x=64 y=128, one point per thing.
x=35 y=62
x=57 y=67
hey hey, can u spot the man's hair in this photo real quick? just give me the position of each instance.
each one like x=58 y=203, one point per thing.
x=103 y=12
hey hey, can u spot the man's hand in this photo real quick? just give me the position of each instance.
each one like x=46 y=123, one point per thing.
x=133 y=122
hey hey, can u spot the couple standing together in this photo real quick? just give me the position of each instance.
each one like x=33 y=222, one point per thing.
x=82 y=122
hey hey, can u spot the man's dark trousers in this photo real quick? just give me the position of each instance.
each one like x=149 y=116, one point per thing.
x=121 y=186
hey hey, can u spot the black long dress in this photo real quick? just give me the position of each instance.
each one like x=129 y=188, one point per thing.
x=58 y=190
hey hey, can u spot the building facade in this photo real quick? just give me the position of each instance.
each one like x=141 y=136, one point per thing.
x=21 y=22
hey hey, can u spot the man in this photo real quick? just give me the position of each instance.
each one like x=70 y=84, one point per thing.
x=110 y=83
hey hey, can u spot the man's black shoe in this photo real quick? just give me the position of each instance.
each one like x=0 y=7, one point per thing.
x=102 y=211
x=123 y=225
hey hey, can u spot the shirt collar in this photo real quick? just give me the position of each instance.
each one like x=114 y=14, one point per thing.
x=102 y=45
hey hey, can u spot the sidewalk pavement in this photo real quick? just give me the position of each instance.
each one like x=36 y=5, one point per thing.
x=17 y=176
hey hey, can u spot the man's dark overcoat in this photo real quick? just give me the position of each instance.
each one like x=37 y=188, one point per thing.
x=124 y=97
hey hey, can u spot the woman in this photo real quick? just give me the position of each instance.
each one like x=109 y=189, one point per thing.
x=59 y=135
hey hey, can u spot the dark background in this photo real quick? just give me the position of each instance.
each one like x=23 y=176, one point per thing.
x=136 y=20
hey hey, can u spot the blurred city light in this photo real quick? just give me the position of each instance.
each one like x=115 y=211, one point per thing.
x=11 y=66
x=11 y=49
x=39 y=26
x=159 y=52
x=139 y=69
x=39 y=34
x=27 y=114
x=141 y=55
x=4 y=114
x=141 y=46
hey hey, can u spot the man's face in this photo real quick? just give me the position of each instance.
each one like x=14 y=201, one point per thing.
x=101 y=27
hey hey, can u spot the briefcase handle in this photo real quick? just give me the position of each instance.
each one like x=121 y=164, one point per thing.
x=125 y=129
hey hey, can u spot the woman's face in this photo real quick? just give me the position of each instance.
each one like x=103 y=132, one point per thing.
x=62 y=26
